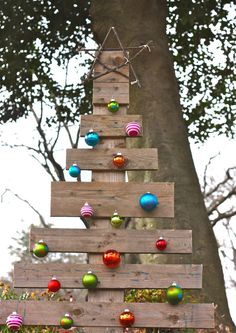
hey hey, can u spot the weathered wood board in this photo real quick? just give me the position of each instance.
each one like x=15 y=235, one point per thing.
x=110 y=60
x=104 y=91
x=137 y=276
x=67 y=198
x=100 y=240
x=107 y=315
x=108 y=125
x=102 y=159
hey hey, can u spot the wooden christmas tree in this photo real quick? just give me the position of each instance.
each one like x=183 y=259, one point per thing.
x=108 y=197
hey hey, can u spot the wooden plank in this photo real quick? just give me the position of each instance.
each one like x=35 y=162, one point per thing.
x=112 y=60
x=67 y=198
x=100 y=240
x=101 y=159
x=135 y=276
x=104 y=91
x=116 y=76
x=159 y=315
x=107 y=125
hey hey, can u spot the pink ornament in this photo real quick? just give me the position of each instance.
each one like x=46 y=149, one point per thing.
x=14 y=321
x=86 y=210
x=133 y=129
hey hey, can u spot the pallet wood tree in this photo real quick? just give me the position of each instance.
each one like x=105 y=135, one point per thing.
x=108 y=192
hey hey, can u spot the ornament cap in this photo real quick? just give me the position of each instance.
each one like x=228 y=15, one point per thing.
x=41 y=241
x=112 y=99
x=14 y=313
x=90 y=272
x=67 y=315
x=160 y=238
x=53 y=278
x=91 y=130
x=126 y=310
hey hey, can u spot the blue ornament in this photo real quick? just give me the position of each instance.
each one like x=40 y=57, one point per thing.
x=148 y=201
x=92 y=138
x=74 y=171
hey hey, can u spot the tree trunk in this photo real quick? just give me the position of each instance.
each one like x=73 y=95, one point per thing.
x=138 y=21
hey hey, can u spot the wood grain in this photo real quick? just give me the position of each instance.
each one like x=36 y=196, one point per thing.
x=101 y=159
x=112 y=60
x=137 y=276
x=100 y=240
x=104 y=91
x=108 y=125
x=103 y=315
x=67 y=198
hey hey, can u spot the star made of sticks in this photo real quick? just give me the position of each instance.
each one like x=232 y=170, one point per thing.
x=127 y=60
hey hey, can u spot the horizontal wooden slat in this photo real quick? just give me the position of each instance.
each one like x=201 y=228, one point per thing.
x=101 y=159
x=67 y=198
x=100 y=240
x=108 y=125
x=112 y=60
x=104 y=91
x=101 y=315
x=125 y=276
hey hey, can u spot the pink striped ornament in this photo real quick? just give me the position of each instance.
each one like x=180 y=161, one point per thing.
x=86 y=210
x=133 y=129
x=14 y=321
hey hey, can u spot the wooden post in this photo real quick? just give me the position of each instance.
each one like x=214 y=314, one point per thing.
x=104 y=89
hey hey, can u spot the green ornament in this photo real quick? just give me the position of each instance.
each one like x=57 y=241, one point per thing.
x=113 y=106
x=40 y=249
x=66 y=321
x=174 y=294
x=90 y=280
x=116 y=220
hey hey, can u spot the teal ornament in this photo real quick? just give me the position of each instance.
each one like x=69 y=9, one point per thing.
x=90 y=280
x=148 y=201
x=113 y=106
x=74 y=171
x=174 y=294
x=92 y=138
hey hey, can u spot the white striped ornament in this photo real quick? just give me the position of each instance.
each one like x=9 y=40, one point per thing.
x=86 y=210
x=14 y=321
x=133 y=129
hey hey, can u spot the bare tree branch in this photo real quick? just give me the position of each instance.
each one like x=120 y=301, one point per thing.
x=41 y=218
x=220 y=200
x=222 y=216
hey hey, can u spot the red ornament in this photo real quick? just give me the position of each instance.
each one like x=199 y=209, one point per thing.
x=54 y=285
x=161 y=244
x=126 y=318
x=111 y=258
x=119 y=160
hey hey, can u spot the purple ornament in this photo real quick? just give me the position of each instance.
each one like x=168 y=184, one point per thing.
x=86 y=210
x=14 y=321
x=133 y=129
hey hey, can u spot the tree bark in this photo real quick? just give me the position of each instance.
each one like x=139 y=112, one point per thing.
x=158 y=101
